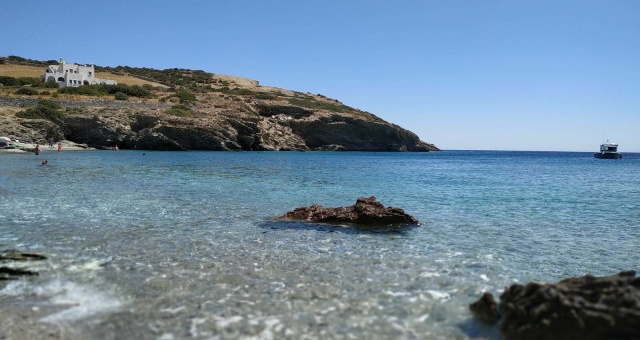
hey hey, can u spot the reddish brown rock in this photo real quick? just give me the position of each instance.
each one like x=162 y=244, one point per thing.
x=366 y=212
x=585 y=307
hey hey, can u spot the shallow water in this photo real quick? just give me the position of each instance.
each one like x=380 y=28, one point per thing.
x=166 y=245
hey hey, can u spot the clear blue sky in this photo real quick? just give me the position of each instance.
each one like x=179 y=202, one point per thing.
x=506 y=75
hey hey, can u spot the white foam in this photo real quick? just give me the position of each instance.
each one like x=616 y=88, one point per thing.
x=225 y=322
x=78 y=301
x=174 y=310
x=193 y=330
x=91 y=265
x=430 y=274
x=484 y=277
x=271 y=325
x=86 y=301
x=422 y=318
x=396 y=293
x=439 y=295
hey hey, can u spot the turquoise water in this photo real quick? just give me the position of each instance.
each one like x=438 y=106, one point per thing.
x=169 y=245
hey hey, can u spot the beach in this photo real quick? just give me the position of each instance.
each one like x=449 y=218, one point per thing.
x=25 y=148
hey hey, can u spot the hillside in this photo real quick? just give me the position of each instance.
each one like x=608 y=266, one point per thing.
x=180 y=109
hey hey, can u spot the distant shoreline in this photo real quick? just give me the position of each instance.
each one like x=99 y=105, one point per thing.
x=26 y=148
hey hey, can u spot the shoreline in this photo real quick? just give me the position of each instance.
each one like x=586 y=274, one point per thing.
x=27 y=148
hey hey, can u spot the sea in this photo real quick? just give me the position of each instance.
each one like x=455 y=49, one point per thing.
x=186 y=245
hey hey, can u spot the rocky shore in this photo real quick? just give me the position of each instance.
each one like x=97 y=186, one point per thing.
x=584 y=307
x=22 y=148
x=217 y=122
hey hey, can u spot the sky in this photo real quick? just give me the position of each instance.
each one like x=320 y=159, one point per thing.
x=465 y=75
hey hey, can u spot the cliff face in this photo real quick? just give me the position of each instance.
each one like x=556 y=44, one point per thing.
x=214 y=122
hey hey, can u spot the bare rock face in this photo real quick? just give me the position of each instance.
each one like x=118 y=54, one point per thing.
x=585 y=307
x=366 y=212
x=228 y=123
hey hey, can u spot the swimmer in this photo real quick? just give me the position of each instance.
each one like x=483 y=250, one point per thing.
x=44 y=162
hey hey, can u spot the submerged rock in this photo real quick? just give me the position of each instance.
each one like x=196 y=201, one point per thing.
x=366 y=212
x=585 y=307
x=8 y=273
x=14 y=255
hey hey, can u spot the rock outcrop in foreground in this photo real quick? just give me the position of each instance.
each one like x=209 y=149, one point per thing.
x=366 y=212
x=586 y=307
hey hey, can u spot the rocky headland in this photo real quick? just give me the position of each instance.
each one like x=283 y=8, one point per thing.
x=195 y=110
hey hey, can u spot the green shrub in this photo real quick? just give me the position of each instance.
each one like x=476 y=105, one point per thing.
x=265 y=95
x=86 y=90
x=33 y=81
x=26 y=91
x=104 y=89
x=9 y=81
x=314 y=104
x=179 y=110
x=44 y=109
x=121 y=96
x=185 y=97
x=45 y=93
x=52 y=84
x=12 y=81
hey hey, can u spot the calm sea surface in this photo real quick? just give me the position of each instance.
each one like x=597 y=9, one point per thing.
x=171 y=245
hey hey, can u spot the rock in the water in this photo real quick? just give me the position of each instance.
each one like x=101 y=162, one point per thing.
x=366 y=212
x=585 y=307
x=7 y=273
x=486 y=309
x=14 y=255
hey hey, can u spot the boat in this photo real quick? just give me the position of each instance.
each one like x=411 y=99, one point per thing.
x=608 y=151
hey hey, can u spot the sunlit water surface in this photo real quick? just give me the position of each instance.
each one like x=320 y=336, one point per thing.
x=170 y=245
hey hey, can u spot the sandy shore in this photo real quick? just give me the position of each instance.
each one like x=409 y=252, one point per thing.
x=28 y=148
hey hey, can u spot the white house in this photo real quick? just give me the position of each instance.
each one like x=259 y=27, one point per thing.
x=73 y=75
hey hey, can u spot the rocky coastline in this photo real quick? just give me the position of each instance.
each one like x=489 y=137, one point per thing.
x=214 y=122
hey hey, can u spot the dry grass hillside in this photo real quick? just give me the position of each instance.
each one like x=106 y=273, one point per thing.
x=182 y=109
x=11 y=70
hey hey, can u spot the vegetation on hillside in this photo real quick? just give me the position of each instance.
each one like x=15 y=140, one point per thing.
x=192 y=79
x=103 y=90
x=183 y=83
x=26 y=81
x=184 y=97
x=45 y=109
x=12 y=59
